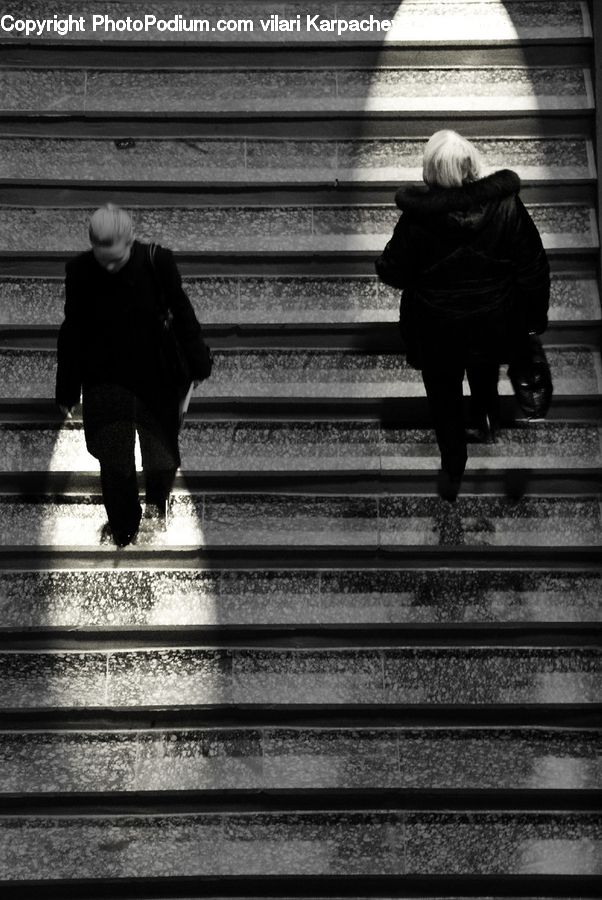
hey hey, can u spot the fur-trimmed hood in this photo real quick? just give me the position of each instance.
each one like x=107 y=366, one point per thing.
x=467 y=206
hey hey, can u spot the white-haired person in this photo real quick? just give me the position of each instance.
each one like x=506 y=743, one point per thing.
x=475 y=281
x=111 y=353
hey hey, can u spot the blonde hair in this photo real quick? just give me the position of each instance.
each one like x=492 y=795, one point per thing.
x=108 y=225
x=450 y=160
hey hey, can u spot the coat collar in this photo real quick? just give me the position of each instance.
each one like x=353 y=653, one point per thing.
x=425 y=201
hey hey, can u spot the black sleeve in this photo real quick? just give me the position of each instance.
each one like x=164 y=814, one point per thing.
x=69 y=344
x=532 y=272
x=185 y=322
x=394 y=264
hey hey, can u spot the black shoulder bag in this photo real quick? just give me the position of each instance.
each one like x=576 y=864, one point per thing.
x=531 y=380
x=173 y=358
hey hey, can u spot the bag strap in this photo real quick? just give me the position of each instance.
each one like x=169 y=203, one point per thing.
x=163 y=301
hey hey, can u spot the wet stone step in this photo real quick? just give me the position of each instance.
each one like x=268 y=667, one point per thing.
x=232 y=521
x=295 y=229
x=181 y=676
x=276 y=373
x=499 y=88
x=134 y=597
x=281 y=299
x=490 y=844
x=253 y=160
x=311 y=446
x=411 y=21
x=289 y=759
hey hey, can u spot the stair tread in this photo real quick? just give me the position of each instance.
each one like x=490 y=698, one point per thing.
x=264 y=161
x=295 y=91
x=253 y=759
x=301 y=844
x=311 y=446
x=231 y=521
x=241 y=229
x=179 y=676
x=281 y=299
x=139 y=598
x=417 y=21
x=290 y=373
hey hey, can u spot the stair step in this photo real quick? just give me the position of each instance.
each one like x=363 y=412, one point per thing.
x=296 y=374
x=192 y=676
x=215 y=160
x=346 y=844
x=281 y=299
x=294 y=229
x=293 y=759
x=247 y=520
x=142 y=598
x=416 y=21
x=48 y=91
x=311 y=446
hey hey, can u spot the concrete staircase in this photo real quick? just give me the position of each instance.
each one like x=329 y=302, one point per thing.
x=321 y=680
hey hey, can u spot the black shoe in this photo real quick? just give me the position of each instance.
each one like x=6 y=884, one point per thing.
x=448 y=485
x=483 y=433
x=123 y=538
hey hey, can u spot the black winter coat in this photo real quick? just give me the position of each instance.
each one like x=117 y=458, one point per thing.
x=111 y=330
x=473 y=270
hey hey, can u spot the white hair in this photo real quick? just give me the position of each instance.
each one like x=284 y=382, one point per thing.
x=108 y=225
x=450 y=160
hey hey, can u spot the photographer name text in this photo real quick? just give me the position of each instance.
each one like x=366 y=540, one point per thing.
x=275 y=24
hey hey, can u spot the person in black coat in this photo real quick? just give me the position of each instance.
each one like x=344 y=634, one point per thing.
x=475 y=282
x=110 y=352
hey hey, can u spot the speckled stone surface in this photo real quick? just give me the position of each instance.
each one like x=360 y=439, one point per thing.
x=272 y=373
x=42 y=90
x=260 y=90
x=300 y=843
x=169 y=677
x=412 y=21
x=492 y=675
x=52 y=679
x=209 y=760
x=296 y=759
x=320 y=446
x=238 y=229
x=84 y=761
x=490 y=843
x=198 y=676
x=229 y=844
x=275 y=299
x=308 y=676
x=282 y=520
x=306 y=521
x=486 y=521
x=422 y=759
x=102 y=597
x=227 y=160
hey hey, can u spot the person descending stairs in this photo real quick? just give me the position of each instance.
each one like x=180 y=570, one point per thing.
x=320 y=679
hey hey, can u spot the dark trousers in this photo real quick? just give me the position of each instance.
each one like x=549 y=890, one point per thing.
x=443 y=385
x=112 y=416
